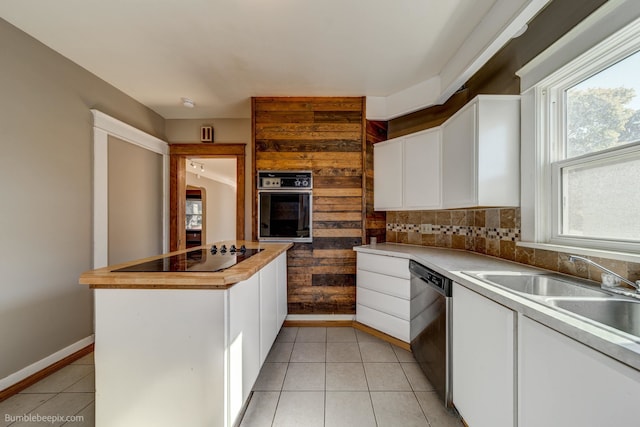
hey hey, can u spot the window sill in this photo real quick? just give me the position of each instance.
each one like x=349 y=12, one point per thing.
x=621 y=256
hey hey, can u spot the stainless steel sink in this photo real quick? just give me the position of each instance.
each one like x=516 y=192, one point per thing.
x=545 y=285
x=623 y=315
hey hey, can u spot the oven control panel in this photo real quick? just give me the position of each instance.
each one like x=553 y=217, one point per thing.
x=270 y=180
x=270 y=183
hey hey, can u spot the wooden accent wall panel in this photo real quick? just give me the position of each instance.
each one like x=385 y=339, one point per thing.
x=375 y=222
x=326 y=136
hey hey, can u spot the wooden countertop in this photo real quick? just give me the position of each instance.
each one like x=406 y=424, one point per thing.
x=106 y=278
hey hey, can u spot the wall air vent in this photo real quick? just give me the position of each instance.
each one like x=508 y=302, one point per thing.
x=206 y=134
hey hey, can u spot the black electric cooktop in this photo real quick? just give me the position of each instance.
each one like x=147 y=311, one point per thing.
x=200 y=260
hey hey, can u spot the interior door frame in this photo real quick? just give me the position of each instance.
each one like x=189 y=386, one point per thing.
x=178 y=155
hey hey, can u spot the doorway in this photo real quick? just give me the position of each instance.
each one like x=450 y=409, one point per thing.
x=196 y=220
x=215 y=179
x=181 y=156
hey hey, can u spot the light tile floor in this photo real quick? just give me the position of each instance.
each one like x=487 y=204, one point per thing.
x=312 y=377
x=67 y=392
x=342 y=377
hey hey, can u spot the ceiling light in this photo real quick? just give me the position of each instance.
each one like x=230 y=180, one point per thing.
x=188 y=102
x=196 y=164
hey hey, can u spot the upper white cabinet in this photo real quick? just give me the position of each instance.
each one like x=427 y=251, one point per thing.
x=406 y=172
x=472 y=160
x=422 y=160
x=387 y=175
x=481 y=154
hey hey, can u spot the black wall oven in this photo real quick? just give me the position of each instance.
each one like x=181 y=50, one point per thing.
x=285 y=206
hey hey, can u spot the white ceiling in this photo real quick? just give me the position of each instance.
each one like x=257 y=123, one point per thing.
x=220 y=170
x=221 y=52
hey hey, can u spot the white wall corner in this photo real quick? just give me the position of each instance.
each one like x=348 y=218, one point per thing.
x=414 y=98
x=503 y=21
x=376 y=108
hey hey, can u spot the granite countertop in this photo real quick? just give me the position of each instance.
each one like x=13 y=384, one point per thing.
x=108 y=278
x=452 y=263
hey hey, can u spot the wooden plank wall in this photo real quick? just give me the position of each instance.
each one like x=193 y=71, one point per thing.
x=326 y=136
x=375 y=222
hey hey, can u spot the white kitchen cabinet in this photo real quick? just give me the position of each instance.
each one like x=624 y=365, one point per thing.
x=244 y=337
x=483 y=360
x=383 y=294
x=422 y=161
x=481 y=154
x=281 y=302
x=407 y=172
x=387 y=175
x=562 y=382
x=268 y=308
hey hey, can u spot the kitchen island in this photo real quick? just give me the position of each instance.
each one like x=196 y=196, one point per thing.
x=185 y=347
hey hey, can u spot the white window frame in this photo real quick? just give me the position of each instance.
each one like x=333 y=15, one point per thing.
x=601 y=157
x=611 y=34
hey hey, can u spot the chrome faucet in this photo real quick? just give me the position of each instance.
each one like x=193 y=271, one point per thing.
x=636 y=286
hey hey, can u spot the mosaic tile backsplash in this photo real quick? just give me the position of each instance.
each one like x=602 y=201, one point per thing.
x=492 y=232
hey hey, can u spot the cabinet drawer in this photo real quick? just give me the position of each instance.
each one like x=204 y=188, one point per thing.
x=385 y=303
x=382 y=283
x=386 y=323
x=391 y=266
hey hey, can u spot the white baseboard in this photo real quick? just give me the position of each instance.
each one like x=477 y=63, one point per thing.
x=321 y=317
x=38 y=366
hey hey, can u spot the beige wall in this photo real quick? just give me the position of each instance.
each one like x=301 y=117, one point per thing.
x=225 y=131
x=221 y=208
x=135 y=202
x=46 y=191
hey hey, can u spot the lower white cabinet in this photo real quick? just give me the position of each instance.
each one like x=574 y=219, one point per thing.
x=383 y=294
x=244 y=335
x=268 y=308
x=281 y=289
x=565 y=383
x=273 y=302
x=483 y=365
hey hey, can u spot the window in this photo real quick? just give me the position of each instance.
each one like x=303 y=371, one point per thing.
x=588 y=118
x=603 y=111
x=596 y=175
x=194 y=214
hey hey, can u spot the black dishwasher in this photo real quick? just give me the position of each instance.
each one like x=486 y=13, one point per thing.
x=431 y=327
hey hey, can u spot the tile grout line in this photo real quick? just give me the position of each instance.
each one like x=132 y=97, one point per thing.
x=326 y=350
x=366 y=379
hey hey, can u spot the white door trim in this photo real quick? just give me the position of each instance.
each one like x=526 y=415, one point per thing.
x=103 y=126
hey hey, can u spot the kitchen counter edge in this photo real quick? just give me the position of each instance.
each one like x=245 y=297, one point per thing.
x=452 y=263
x=107 y=278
